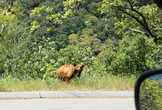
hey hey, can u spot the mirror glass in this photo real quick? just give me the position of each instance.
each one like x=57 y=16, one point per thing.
x=151 y=93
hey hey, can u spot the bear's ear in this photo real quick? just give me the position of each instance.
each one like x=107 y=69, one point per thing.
x=74 y=64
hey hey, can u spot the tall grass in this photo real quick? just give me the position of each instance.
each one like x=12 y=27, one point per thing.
x=85 y=83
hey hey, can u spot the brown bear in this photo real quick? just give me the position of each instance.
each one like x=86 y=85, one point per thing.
x=67 y=72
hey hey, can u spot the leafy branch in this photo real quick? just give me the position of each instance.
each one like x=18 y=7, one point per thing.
x=143 y=22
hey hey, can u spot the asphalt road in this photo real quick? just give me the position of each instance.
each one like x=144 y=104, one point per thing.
x=69 y=104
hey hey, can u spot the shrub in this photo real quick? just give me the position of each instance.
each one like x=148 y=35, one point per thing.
x=134 y=55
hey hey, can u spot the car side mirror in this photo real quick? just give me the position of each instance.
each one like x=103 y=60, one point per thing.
x=148 y=91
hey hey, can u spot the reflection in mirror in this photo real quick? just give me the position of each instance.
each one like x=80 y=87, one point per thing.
x=151 y=93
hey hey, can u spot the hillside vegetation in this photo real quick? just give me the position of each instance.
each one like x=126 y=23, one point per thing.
x=111 y=37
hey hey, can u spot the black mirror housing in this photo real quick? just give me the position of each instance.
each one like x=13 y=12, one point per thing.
x=159 y=3
x=146 y=75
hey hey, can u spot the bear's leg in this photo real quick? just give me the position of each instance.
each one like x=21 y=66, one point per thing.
x=79 y=75
x=58 y=77
x=67 y=79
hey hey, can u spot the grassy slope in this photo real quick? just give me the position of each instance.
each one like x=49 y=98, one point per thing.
x=106 y=83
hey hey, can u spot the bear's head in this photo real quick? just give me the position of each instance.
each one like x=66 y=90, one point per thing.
x=79 y=67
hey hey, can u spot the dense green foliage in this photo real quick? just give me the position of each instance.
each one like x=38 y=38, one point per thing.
x=116 y=37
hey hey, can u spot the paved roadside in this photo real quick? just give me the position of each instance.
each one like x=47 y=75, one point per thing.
x=69 y=104
x=66 y=94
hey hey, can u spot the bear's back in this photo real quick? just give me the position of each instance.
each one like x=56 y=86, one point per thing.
x=66 y=69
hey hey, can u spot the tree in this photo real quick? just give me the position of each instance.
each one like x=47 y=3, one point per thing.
x=135 y=11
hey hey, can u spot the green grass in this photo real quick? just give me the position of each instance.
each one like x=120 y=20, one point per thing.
x=105 y=83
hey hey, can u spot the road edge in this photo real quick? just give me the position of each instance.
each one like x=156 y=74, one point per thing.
x=66 y=94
